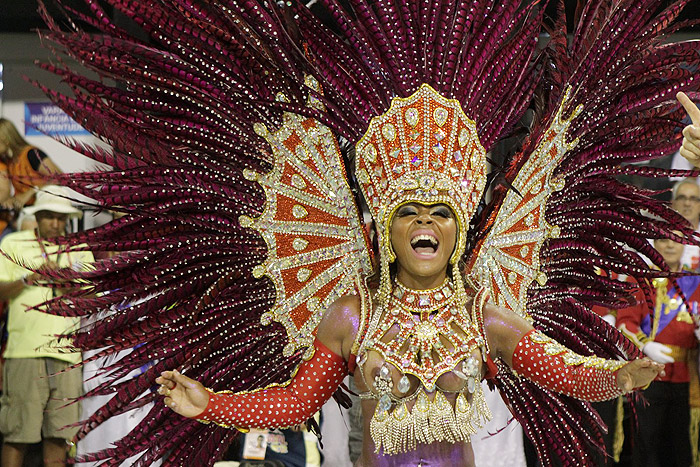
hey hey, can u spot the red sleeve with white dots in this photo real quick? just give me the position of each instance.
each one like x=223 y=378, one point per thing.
x=277 y=407
x=551 y=365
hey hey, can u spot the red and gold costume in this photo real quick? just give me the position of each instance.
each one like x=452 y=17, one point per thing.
x=670 y=323
x=315 y=382
x=247 y=139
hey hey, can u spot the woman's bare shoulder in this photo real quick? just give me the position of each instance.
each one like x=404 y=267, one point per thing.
x=504 y=328
x=340 y=324
x=344 y=312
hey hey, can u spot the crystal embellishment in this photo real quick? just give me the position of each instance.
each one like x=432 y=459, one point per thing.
x=412 y=116
x=389 y=131
x=524 y=251
x=299 y=212
x=384 y=372
x=371 y=154
x=404 y=385
x=298 y=182
x=463 y=137
x=299 y=244
x=440 y=115
x=303 y=274
x=384 y=403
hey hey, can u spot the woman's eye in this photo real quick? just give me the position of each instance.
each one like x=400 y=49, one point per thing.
x=442 y=213
x=403 y=212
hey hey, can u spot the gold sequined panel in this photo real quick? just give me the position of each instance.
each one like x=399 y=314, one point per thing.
x=425 y=348
x=317 y=251
x=553 y=347
x=507 y=261
x=435 y=336
x=430 y=421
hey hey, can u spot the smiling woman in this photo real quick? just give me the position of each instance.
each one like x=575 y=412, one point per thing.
x=421 y=342
x=423 y=239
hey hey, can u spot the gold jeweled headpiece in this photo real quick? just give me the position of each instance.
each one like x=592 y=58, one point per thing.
x=423 y=149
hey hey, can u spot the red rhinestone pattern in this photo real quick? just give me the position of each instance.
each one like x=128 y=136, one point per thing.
x=552 y=366
x=278 y=407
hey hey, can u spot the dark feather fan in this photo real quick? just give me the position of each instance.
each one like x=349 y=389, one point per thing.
x=177 y=97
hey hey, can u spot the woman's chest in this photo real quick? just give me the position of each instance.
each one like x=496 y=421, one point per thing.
x=405 y=350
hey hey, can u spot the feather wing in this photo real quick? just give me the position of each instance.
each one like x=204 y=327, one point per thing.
x=610 y=103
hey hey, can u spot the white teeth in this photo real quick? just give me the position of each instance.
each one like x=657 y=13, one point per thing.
x=430 y=238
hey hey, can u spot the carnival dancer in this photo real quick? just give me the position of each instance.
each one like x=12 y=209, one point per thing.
x=422 y=355
x=246 y=139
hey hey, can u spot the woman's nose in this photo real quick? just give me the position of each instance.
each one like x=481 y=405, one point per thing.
x=424 y=219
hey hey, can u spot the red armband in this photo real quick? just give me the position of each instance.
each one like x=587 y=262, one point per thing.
x=551 y=365
x=280 y=406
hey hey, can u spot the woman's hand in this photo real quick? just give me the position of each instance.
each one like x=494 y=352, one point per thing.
x=638 y=374
x=691 y=134
x=183 y=395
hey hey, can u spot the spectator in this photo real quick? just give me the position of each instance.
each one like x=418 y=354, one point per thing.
x=22 y=168
x=288 y=447
x=666 y=334
x=686 y=200
x=26 y=221
x=33 y=404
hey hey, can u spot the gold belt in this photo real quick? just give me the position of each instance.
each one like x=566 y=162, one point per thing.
x=679 y=354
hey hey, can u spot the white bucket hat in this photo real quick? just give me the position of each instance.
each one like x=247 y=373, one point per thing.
x=53 y=198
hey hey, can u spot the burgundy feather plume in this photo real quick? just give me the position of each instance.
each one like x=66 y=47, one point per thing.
x=180 y=291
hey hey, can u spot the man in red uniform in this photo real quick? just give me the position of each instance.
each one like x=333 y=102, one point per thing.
x=666 y=334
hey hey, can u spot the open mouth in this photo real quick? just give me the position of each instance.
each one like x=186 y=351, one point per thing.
x=425 y=244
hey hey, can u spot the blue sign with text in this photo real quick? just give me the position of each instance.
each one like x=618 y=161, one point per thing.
x=46 y=118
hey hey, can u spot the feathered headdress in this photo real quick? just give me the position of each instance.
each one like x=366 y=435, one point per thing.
x=194 y=78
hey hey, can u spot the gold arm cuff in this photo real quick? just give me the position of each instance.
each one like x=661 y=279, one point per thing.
x=207 y=422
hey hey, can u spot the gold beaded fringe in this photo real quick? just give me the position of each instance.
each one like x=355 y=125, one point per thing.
x=428 y=422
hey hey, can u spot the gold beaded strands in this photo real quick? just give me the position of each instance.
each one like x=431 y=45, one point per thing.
x=427 y=320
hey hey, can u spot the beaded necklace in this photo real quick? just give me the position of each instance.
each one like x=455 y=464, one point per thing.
x=435 y=336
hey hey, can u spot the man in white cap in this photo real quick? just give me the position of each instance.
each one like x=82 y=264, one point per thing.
x=32 y=405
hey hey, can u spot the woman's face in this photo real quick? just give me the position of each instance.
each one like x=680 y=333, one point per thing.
x=423 y=238
x=671 y=251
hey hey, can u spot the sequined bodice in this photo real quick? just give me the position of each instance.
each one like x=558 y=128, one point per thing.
x=419 y=346
x=423 y=334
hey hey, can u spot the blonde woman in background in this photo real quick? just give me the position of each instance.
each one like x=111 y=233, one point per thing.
x=22 y=167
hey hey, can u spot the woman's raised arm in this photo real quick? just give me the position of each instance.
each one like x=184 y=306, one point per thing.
x=278 y=406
